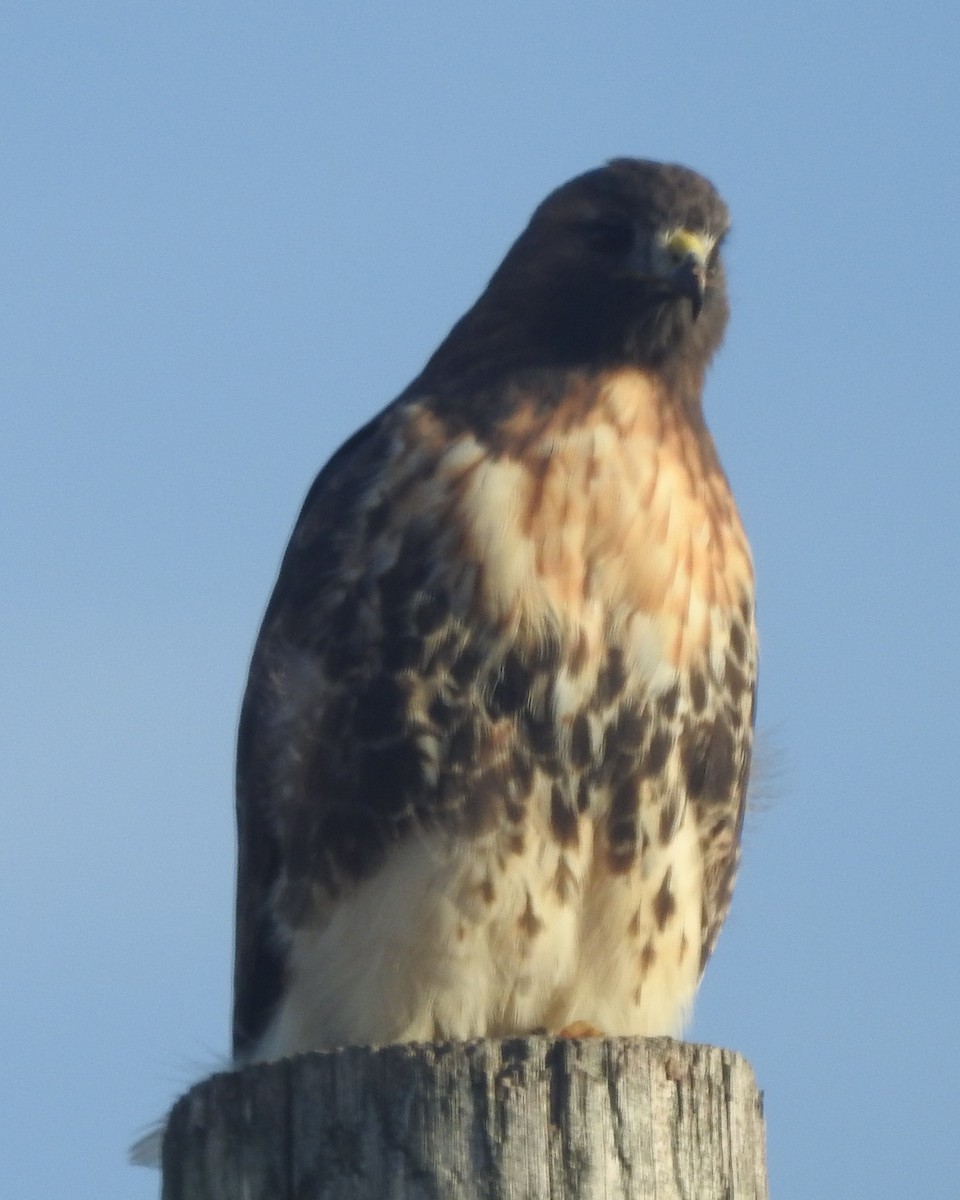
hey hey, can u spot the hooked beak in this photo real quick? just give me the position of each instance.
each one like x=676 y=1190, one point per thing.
x=688 y=254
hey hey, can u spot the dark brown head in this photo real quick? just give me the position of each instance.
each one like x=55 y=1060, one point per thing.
x=620 y=266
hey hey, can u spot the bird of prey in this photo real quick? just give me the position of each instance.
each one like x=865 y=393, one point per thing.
x=494 y=748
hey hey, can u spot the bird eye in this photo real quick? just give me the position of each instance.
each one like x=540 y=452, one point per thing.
x=609 y=236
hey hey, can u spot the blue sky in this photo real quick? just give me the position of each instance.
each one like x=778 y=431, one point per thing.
x=230 y=233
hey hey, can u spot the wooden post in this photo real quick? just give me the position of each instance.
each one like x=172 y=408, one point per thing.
x=525 y=1119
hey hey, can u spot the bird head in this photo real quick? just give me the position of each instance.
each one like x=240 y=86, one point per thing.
x=619 y=266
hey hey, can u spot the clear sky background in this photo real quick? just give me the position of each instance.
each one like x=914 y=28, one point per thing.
x=229 y=233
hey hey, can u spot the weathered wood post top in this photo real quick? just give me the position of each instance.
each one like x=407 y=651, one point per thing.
x=524 y=1119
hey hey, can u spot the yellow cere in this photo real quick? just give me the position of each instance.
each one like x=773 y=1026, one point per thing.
x=683 y=243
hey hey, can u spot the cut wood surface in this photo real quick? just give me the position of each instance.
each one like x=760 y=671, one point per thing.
x=523 y=1119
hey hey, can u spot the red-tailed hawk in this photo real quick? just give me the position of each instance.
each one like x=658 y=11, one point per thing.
x=495 y=743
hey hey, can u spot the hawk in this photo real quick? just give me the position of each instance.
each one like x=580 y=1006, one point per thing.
x=494 y=747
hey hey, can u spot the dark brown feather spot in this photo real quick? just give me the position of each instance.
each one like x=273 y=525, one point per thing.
x=563 y=818
x=513 y=810
x=709 y=756
x=623 y=738
x=734 y=679
x=542 y=734
x=622 y=850
x=664 y=905
x=581 y=747
x=622 y=829
x=511 y=690
x=521 y=770
x=611 y=678
x=467 y=664
x=698 y=690
x=528 y=923
x=441 y=710
x=578 y=655
x=462 y=747
x=669 y=702
x=656 y=754
x=564 y=881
